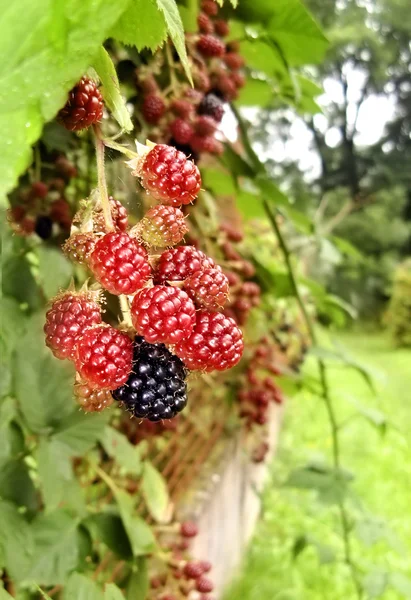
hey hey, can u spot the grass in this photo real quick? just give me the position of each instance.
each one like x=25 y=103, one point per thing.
x=380 y=509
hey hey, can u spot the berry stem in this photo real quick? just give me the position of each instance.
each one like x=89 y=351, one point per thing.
x=125 y=309
x=110 y=143
x=173 y=80
x=102 y=184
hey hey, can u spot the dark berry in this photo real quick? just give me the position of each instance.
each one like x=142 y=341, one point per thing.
x=212 y=106
x=43 y=227
x=153 y=108
x=83 y=107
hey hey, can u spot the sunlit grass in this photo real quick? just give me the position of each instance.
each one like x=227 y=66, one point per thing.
x=382 y=468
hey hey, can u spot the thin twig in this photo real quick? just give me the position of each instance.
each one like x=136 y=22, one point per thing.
x=102 y=184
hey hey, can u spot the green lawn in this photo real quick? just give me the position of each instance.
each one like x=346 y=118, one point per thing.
x=382 y=468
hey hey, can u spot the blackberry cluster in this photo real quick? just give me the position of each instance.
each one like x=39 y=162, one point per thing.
x=156 y=388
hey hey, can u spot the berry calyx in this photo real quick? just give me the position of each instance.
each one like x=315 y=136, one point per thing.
x=208 y=288
x=104 y=357
x=212 y=106
x=162 y=226
x=66 y=319
x=181 y=131
x=91 y=400
x=156 y=387
x=119 y=263
x=168 y=175
x=83 y=107
x=163 y=314
x=153 y=108
x=188 y=529
x=216 y=343
x=210 y=46
x=79 y=246
x=179 y=263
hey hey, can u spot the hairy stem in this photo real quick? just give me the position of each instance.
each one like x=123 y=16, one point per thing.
x=102 y=184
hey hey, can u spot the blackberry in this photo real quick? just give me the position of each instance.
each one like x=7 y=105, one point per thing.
x=212 y=106
x=43 y=227
x=156 y=388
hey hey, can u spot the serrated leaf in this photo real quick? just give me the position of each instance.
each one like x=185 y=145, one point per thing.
x=16 y=484
x=55 y=270
x=109 y=529
x=111 y=89
x=60 y=40
x=142 y=26
x=16 y=541
x=80 y=587
x=155 y=492
x=118 y=447
x=12 y=322
x=176 y=32
x=80 y=431
x=56 y=550
x=138 y=583
x=112 y=592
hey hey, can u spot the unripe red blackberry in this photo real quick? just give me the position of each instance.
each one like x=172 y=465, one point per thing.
x=162 y=226
x=169 y=176
x=212 y=106
x=39 y=189
x=205 y=125
x=60 y=212
x=234 y=61
x=233 y=233
x=193 y=570
x=210 y=46
x=119 y=217
x=179 y=263
x=209 y=7
x=153 y=108
x=147 y=84
x=182 y=108
x=208 y=288
x=221 y=27
x=205 y=24
x=205 y=565
x=104 y=357
x=206 y=143
x=201 y=80
x=215 y=344
x=79 y=246
x=119 y=263
x=83 y=107
x=65 y=167
x=91 y=400
x=66 y=319
x=226 y=86
x=163 y=314
x=181 y=131
x=204 y=585
x=188 y=529
x=239 y=79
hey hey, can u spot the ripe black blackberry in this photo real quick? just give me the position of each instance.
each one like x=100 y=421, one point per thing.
x=156 y=388
x=212 y=106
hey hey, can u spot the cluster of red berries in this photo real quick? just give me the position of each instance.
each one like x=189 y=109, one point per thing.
x=179 y=576
x=189 y=119
x=174 y=299
x=42 y=207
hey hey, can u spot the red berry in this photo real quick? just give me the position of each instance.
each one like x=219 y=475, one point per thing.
x=16 y=213
x=153 y=108
x=205 y=125
x=27 y=225
x=79 y=246
x=168 y=175
x=65 y=167
x=205 y=565
x=208 y=288
x=206 y=143
x=66 y=320
x=204 y=585
x=210 y=46
x=182 y=108
x=163 y=314
x=188 y=529
x=232 y=232
x=179 y=263
x=221 y=27
x=162 y=226
x=148 y=84
x=181 y=131
x=119 y=216
x=193 y=570
x=60 y=211
x=83 y=107
x=205 y=24
x=225 y=84
x=92 y=400
x=212 y=106
x=238 y=79
x=201 y=80
x=119 y=263
x=209 y=7
x=39 y=189
x=104 y=357
x=215 y=344
x=234 y=61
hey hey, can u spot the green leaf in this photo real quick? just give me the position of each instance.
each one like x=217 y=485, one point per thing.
x=18 y=280
x=12 y=322
x=347 y=248
x=55 y=270
x=80 y=587
x=375 y=583
x=221 y=182
x=401 y=583
x=250 y=205
x=80 y=431
x=236 y=163
x=111 y=89
x=109 y=529
x=43 y=593
x=155 y=492
x=124 y=453
x=138 y=583
x=330 y=484
x=325 y=553
x=44 y=394
x=175 y=29
x=60 y=40
x=16 y=484
x=294 y=30
x=374 y=416
x=5 y=595
x=7 y=415
x=16 y=541
x=142 y=26
x=56 y=551
x=256 y=92
x=262 y=57
x=112 y=592
x=271 y=191
x=372 y=530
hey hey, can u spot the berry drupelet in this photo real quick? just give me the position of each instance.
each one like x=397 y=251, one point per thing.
x=83 y=107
